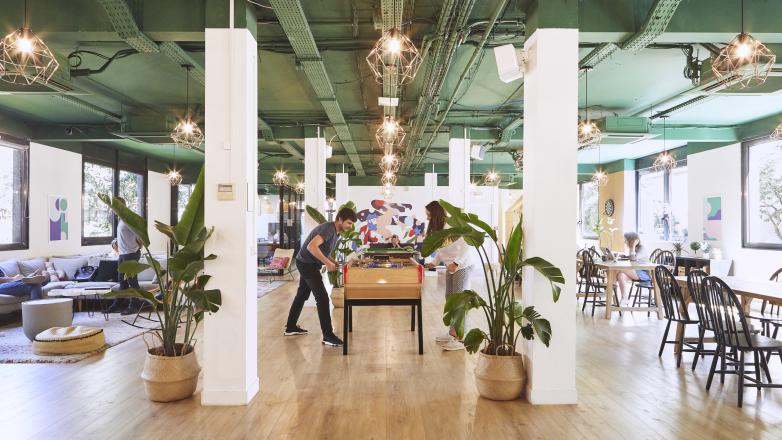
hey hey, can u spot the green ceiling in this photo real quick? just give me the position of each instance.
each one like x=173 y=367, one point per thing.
x=133 y=102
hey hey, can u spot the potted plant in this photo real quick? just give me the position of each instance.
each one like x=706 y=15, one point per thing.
x=678 y=247
x=695 y=246
x=706 y=249
x=343 y=248
x=171 y=368
x=606 y=226
x=499 y=373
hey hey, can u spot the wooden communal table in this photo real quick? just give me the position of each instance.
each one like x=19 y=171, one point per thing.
x=614 y=267
x=370 y=284
x=747 y=290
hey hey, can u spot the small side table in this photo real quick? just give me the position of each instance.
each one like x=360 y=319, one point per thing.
x=43 y=314
x=81 y=295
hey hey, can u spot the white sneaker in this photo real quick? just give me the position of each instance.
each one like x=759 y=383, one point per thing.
x=453 y=345
x=443 y=338
x=624 y=303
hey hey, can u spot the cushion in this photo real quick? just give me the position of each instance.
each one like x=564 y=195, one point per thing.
x=10 y=268
x=56 y=285
x=148 y=275
x=54 y=274
x=69 y=265
x=32 y=267
x=10 y=299
x=68 y=340
x=279 y=263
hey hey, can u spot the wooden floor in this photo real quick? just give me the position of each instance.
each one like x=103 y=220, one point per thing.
x=385 y=390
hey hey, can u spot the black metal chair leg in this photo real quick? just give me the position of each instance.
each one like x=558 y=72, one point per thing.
x=741 y=378
x=717 y=354
x=665 y=338
x=412 y=318
x=698 y=350
x=420 y=329
x=345 y=317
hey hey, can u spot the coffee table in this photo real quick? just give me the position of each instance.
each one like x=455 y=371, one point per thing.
x=80 y=294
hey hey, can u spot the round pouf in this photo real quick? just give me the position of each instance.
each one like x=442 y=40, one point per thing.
x=42 y=314
x=68 y=340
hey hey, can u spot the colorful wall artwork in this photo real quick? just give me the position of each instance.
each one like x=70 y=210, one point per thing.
x=712 y=214
x=58 y=218
x=384 y=219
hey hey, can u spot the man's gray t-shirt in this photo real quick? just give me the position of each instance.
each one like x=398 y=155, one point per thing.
x=127 y=240
x=329 y=234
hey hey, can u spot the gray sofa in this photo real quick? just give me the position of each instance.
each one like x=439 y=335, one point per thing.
x=69 y=266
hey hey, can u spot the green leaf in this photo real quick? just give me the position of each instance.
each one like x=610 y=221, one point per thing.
x=192 y=220
x=513 y=251
x=438 y=239
x=135 y=293
x=315 y=215
x=457 y=306
x=134 y=221
x=168 y=230
x=205 y=300
x=131 y=268
x=527 y=332
x=541 y=326
x=552 y=273
x=473 y=340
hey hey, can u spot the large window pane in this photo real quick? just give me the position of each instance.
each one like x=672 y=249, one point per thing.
x=677 y=187
x=653 y=223
x=589 y=209
x=131 y=188
x=97 y=220
x=763 y=198
x=13 y=197
x=184 y=191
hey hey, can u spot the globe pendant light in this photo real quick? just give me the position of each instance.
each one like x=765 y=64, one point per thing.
x=187 y=134
x=600 y=177
x=299 y=188
x=665 y=161
x=394 y=54
x=280 y=178
x=173 y=175
x=25 y=58
x=744 y=61
x=588 y=134
x=390 y=133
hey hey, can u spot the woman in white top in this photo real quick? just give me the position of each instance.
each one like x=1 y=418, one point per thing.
x=457 y=257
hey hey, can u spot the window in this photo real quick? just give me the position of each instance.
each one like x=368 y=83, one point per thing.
x=762 y=188
x=588 y=197
x=97 y=221
x=13 y=196
x=114 y=173
x=184 y=191
x=662 y=204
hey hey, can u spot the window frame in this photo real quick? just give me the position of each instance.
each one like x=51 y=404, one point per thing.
x=581 y=211
x=116 y=165
x=666 y=194
x=24 y=148
x=745 y=243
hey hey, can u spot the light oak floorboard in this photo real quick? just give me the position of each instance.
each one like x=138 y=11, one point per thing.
x=384 y=390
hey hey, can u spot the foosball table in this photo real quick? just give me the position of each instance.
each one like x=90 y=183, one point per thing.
x=383 y=280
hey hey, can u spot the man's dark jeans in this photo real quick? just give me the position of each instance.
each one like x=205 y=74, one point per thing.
x=311 y=280
x=18 y=289
x=125 y=284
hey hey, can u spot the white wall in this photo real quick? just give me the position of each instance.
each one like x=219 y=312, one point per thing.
x=718 y=173
x=58 y=172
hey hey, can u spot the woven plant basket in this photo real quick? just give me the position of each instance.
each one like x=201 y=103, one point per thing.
x=170 y=378
x=500 y=377
x=338 y=297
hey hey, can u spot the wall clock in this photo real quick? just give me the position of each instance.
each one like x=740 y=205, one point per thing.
x=609 y=207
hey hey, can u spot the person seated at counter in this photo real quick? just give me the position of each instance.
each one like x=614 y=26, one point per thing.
x=635 y=251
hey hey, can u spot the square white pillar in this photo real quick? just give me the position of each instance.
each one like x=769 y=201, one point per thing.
x=459 y=171
x=315 y=179
x=230 y=361
x=430 y=183
x=550 y=147
x=341 y=190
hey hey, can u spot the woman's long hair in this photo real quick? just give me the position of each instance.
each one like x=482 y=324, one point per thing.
x=437 y=213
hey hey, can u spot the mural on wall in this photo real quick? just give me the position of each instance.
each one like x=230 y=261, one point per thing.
x=712 y=223
x=58 y=218
x=384 y=219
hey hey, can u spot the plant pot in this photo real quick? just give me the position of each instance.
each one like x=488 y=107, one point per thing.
x=338 y=297
x=170 y=378
x=500 y=377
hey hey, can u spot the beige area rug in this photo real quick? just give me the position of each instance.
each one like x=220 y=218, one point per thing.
x=15 y=348
x=266 y=287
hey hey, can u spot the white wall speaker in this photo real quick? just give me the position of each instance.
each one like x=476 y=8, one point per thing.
x=510 y=62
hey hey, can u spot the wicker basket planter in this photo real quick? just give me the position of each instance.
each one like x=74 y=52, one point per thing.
x=500 y=377
x=338 y=297
x=170 y=378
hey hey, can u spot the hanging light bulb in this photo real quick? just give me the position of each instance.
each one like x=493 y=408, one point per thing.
x=745 y=60
x=600 y=177
x=173 y=175
x=299 y=188
x=664 y=161
x=589 y=135
x=187 y=134
x=492 y=178
x=394 y=54
x=280 y=178
x=390 y=133
x=776 y=135
x=25 y=58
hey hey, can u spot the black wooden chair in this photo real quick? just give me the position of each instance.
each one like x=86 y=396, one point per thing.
x=594 y=283
x=675 y=310
x=732 y=332
x=694 y=286
x=769 y=314
x=666 y=258
x=654 y=253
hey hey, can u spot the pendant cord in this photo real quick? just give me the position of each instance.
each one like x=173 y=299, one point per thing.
x=25 y=25
x=187 y=92
x=586 y=94
x=742 y=16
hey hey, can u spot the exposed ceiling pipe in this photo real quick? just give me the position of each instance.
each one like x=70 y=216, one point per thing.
x=465 y=72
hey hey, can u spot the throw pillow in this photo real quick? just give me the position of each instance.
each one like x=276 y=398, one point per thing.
x=54 y=274
x=69 y=265
x=279 y=263
x=32 y=267
x=10 y=268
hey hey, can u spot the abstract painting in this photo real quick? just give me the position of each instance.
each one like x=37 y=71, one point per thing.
x=712 y=223
x=58 y=218
x=384 y=219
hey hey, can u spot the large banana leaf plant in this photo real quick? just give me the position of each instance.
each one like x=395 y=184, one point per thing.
x=345 y=242
x=507 y=319
x=182 y=297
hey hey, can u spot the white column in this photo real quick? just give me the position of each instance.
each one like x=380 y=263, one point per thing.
x=459 y=170
x=314 y=178
x=430 y=183
x=341 y=191
x=550 y=115
x=230 y=361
